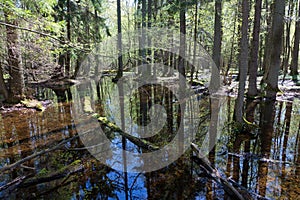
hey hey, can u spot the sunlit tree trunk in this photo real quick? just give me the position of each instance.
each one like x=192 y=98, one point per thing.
x=253 y=64
x=230 y=62
x=14 y=60
x=276 y=48
x=287 y=42
x=295 y=53
x=243 y=63
x=267 y=49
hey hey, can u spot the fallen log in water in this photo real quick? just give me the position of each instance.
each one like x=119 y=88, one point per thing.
x=28 y=158
x=66 y=171
x=26 y=181
x=214 y=174
x=137 y=141
x=13 y=184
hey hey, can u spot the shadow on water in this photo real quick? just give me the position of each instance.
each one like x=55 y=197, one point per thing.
x=264 y=157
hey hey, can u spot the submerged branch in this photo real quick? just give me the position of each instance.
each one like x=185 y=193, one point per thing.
x=214 y=173
x=66 y=171
x=137 y=141
x=18 y=163
x=13 y=184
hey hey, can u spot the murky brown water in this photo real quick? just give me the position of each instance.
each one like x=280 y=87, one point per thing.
x=265 y=158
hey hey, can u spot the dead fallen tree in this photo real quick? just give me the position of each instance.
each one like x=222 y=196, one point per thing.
x=30 y=180
x=13 y=184
x=214 y=174
x=64 y=172
x=137 y=141
x=28 y=158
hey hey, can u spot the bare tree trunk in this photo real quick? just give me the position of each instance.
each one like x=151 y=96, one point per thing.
x=3 y=88
x=267 y=49
x=243 y=65
x=232 y=45
x=68 y=54
x=120 y=59
x=14 y=60
x=276 y=48
x=295 y=58
x=253 y=65
x=287 y=45
x=195 y=41
x=181 y=65
x=217 y=41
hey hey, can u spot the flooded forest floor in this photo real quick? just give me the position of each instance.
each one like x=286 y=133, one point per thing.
x=42 y=156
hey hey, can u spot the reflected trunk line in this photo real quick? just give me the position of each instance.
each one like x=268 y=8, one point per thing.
x=213 y=126
x=121 y=104
x=266 y=135
x=297 y=171
x=287 y=120
x=251 y=106
x=236 y=160
x=246 y=161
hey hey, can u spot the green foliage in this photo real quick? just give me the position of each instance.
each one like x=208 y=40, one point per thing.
x=42 y=172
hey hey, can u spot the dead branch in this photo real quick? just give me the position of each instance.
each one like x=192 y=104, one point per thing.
x=137 y=141
x=14 y=183
x=32 y=31
x=73 y=168
x=214 y=173
x=257 y=196
x=18 y=163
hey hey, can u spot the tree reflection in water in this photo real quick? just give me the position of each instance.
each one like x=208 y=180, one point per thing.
x=263 y=158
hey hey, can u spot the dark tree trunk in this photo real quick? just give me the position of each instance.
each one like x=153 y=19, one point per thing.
x=295 y=55
x=59 y=71
x=68 y=53
x=3 y=89
x=217 y=42
x=14 y=60
x=195 y=41
x=217 y=33
x=276 y=48
x=266 y=134
x=243 y=64
x=120 y=59
x=181 y=63
x=253 y=65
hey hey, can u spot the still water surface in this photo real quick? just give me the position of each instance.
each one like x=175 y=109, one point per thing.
x=264 y=158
